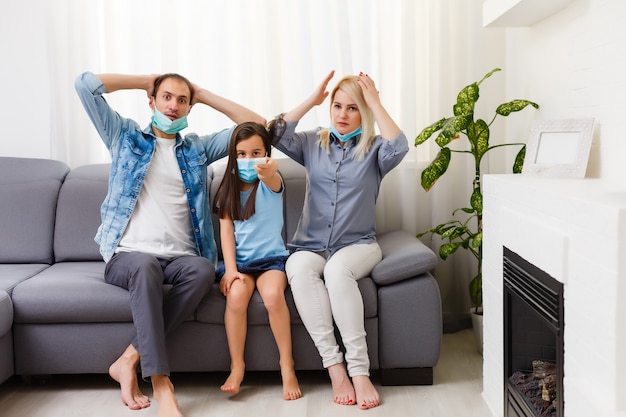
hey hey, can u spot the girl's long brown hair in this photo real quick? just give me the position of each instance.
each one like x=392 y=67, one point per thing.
x=227 y=199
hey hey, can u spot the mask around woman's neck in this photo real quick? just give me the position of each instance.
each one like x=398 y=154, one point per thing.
x=347 y=136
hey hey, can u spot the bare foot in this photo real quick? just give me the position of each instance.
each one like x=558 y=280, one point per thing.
x=291 y=389
x=343 y=391
x=233 y=382
x=366 y=394
x=124 y=372
x=164 y=395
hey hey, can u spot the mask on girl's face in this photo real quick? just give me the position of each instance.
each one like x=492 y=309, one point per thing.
x=347 y=136
x=165 y=125
x=245 y=166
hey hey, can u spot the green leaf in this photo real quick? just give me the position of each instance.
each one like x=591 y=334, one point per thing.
x=466 y=100
x=476 y=290
x=447 y=249
x=478 y=134
x=512 y=106
x=478 y=240
x=489 y=74
x=451 y=129
x=518 y=165
x=436 y=169
x=476 y=200
x=428 y=131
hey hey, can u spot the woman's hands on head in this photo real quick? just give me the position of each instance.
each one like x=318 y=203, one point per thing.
x=320 y=93
x=370 y=93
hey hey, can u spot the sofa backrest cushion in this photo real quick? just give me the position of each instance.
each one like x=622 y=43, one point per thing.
x=29 y=188
x=294 y=177
x=78 y=213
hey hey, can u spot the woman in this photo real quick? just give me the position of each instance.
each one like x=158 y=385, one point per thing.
x=335 y=242
x=249 y=204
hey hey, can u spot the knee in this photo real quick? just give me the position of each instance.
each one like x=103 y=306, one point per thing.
x=237 y=302
x=339 y=281
x=273 y=299
x=199 y=272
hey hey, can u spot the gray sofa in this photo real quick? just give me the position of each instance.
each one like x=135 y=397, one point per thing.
x=58 y=316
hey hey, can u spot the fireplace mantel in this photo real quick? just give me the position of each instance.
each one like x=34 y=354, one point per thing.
x=575 y=230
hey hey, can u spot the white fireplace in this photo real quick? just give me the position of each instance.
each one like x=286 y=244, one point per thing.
x=575 y=230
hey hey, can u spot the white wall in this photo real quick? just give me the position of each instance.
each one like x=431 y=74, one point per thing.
x=24 y=107
x=573 y=64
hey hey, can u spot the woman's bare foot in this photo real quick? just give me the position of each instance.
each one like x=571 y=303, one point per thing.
x=343 y=391
x=366 y=394
x=124 y=372
x=165 y=397
x=233 y=382
x=291 y=388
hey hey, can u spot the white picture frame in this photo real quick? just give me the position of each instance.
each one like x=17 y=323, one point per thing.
x=559 y=148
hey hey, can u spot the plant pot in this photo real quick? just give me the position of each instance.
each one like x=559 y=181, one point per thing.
x=477 y=326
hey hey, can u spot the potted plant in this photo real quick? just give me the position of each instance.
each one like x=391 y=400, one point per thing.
x=466 y=232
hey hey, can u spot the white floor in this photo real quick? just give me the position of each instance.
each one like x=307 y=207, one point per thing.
x=456 y=392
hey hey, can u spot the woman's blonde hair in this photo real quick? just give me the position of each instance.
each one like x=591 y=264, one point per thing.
x=352 y=88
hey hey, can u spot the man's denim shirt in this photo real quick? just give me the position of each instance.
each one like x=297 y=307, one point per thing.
x=131 y=151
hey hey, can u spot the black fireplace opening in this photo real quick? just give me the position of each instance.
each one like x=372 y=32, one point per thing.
x=533 y=340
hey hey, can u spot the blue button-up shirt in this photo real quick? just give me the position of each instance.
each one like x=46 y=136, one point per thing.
x=341 y=191
x=131 y=151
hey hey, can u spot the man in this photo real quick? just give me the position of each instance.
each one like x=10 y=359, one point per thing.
x=156 y=221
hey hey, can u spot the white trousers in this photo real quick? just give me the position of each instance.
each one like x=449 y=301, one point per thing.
x=326 y=290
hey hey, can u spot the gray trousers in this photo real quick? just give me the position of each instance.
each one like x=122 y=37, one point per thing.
x=155 y=315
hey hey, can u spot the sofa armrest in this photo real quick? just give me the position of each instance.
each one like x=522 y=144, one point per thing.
x=6 y=313
x=404 y=256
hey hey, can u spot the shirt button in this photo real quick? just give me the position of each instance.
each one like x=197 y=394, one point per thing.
x=197 y=230
x=193 y=210
x=184 y=171
x=188 y=190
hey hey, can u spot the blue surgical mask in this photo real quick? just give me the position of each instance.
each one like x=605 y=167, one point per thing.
x=347 y=136
x=165 y=125
x=245 y=166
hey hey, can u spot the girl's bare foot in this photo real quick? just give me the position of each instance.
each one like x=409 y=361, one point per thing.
x=366 y=394
x=343 y=391
x=233 y=382
x=291 y=388
x=124 y=372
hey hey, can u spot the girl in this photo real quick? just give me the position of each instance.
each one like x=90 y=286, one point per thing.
x=249 y=205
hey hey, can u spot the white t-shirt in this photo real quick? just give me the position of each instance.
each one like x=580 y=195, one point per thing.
x=161 y=224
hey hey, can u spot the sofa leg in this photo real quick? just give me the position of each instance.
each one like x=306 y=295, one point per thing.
x=406 y=376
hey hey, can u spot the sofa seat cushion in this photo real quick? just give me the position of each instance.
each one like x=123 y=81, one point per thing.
x=404 y=256
x=212 y=307
x=70 y=292
x=13 y=274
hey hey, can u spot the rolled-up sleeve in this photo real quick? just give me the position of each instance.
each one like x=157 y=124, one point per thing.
x=107 y=122
x=392 y=152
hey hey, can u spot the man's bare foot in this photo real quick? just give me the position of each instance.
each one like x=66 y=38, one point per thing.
x=366 y=394
x=165 y=397
x=233 y=382
x=124 y=372
x=343 y=391
x=291 y=388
